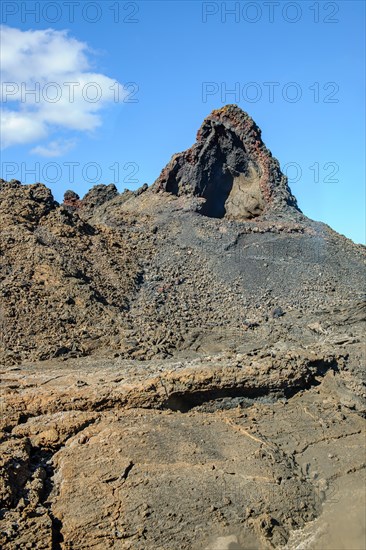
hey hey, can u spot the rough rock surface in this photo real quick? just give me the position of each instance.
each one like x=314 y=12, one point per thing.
x=182 y=365
x=247 y=448
x=230 y=167
x=64 y=284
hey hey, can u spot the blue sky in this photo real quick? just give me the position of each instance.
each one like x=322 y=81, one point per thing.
x=145 y=74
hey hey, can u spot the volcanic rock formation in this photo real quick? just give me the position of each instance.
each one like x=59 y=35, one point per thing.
x=200 y=337
x=210 y=249
x=230 y=167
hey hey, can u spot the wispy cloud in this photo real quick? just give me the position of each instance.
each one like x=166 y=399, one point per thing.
x=55 y=148
x=47 y=84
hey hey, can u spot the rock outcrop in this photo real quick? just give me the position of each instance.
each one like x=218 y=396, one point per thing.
x=24 y=205
x=63 y=283
x=230 y=167
x=98 y=195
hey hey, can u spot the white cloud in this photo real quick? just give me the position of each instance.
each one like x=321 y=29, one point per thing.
x=55 y=148
x=20 y=127
x=47 y=84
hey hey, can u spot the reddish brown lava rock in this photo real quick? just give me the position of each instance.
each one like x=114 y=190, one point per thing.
x=230 y=167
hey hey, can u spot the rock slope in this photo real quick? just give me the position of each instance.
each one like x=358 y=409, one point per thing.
x=210 y=249
x=181 y=365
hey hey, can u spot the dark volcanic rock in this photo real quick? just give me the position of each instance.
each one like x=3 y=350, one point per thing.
x=141 y=273
x=142 y=189
x=71 y=200
x=24 y=204
x=230 y=167
x=98 y=195
x=63 y=282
